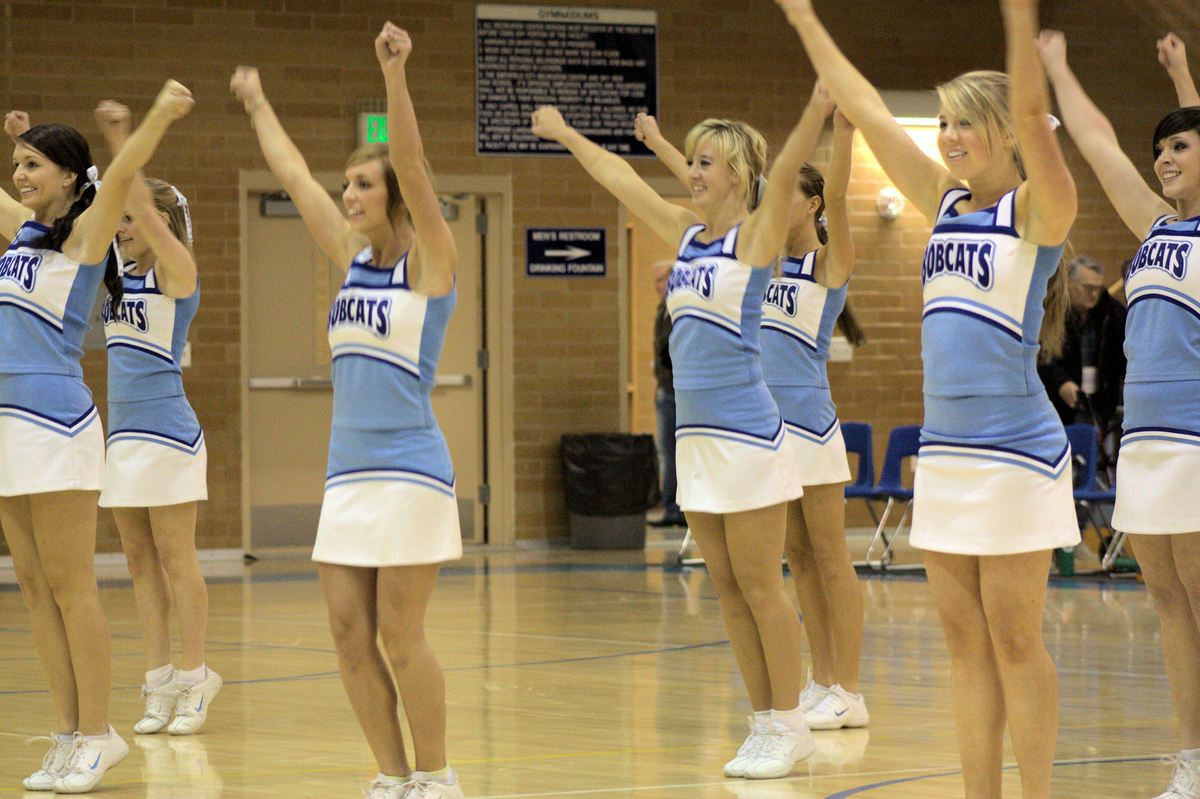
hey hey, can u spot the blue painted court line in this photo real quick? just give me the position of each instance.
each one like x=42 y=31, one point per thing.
x=1057 y=764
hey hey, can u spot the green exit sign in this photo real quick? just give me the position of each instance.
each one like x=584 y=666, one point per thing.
x=372 y=128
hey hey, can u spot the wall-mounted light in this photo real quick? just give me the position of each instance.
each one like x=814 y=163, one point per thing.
x=889 y=203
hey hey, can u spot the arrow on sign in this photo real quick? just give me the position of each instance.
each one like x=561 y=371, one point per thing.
x=571 y=253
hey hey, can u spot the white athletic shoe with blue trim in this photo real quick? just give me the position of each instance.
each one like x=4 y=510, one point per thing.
x=191 y=707
x=838 y=709
x=90 y=758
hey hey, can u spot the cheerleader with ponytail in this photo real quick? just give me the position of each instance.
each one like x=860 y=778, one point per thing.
x=51 y=444
x=157 y=460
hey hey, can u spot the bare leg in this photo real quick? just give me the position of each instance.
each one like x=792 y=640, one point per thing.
x=350 y=595
x=174 y=528
x=49 y=632
x=150 y=590
x=811 y=594
x=825 y=516
x=1013 y=588
x=64 y=527
x=709 y=532
x=754 y=541
x=402 y=598
x=975 y=689
x=1171 y=566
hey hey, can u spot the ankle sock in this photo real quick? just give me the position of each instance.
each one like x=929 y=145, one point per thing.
x=157 y=678
x=192 y=676
x=793 y=719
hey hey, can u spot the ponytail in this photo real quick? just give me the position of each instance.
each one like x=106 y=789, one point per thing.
x=847 y=322
x=1055 y=308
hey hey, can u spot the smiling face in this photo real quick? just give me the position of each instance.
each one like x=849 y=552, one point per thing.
x=963 y=145
x=365 y=196
x=1178 y=166
x=710 y=177
x=43 y=186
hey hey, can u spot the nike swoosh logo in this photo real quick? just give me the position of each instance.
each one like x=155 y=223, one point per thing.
x=93 y=766
x=200 y=706
x=842 y=713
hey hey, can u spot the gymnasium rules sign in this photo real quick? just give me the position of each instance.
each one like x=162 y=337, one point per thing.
x=564 y=252
x=598 y=65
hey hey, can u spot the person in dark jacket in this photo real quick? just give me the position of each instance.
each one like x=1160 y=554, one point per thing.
x=1084 y=382
x=664 y=402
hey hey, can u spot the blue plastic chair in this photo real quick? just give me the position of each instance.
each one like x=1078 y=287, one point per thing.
x=1089 y=496
x=903 y=442
x=857 y=436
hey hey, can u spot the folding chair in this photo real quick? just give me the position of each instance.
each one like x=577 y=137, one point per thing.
x=857 y=436
x=903 y=442
x=1090 y=497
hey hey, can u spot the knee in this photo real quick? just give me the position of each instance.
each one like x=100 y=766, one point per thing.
x=352 y=632
x=401 y=641
x=966 y=639
x=1171 y=598
x=799 y=553
x=1016 y=645
x=178 y=562
x=141 y=557
x=35 y=591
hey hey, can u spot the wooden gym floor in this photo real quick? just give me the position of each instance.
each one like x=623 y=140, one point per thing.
x=594 y=674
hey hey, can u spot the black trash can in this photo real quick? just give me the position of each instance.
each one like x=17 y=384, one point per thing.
x=611 y=481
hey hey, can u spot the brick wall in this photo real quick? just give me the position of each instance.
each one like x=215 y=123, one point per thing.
x=731 y=58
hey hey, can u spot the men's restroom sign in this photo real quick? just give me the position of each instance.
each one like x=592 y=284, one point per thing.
x=565 y=252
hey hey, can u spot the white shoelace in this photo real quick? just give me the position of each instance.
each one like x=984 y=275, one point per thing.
x=58 y=757
x=1185 y=779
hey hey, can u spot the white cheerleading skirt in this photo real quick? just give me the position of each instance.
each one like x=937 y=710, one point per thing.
x=812 y=424
x=966 y=502
x=143 y=470
x=1159 y=459
x=732 y=451
x=387 y=517
x=1157 y=484
x=39 y=454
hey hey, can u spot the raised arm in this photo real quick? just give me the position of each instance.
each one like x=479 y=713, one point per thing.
x=645 y=129
x=320 y=213
x=437 y=254
x=174 y=266
x=765 y=232
x=920 y=178
x=1136 y=203
x=1173 y=56
x=611 y=171
x=1046 y=201
x=12 y=213
x=838 y=263
x=93 y=230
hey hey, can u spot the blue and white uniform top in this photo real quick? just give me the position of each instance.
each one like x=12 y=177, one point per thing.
x=145 y=336
x=45 y=298
x=715 y=303
x=385 y=340
x=983 y=293
x=799 y=315
x=1162 y=329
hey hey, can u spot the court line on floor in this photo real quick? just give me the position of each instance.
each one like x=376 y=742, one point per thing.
x=1057 y=763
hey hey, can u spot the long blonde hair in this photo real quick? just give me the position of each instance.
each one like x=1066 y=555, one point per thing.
x=1055 y=308
x=981 y=97
x=743 y=148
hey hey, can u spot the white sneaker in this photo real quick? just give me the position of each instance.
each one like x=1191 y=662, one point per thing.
x=54 y=764
x=160 y=702
x=749 y=748
x=191 y=707
x=423 y=787
x=90 y=758
x=1185 y=781
x=381 y=788
x=812 y=694
x=838 y=709
x=782 y=748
